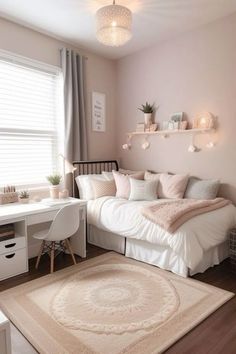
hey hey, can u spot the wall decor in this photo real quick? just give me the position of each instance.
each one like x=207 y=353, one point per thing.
x=176 y=119
x=98 y=112
x=204 y=120
x=153 y=127
x=165 y=125
x=140 y=127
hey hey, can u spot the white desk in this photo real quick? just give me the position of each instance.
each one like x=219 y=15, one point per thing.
x=14 y=252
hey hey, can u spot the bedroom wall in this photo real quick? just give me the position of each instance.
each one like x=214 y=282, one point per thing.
x=192 y=73
x=100 y=74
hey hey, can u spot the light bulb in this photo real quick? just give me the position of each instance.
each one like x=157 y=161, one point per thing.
x=192 y=148
x=145 y=145
x=126 y=146
x=210 y=145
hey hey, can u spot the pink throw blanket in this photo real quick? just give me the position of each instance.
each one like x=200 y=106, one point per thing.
x=171 y=214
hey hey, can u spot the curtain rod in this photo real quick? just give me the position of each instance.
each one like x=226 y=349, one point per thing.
x=85 y=57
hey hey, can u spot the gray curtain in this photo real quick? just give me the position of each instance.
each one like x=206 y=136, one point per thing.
x=76 y=148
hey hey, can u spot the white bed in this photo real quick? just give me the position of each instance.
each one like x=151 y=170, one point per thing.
x=200 y=243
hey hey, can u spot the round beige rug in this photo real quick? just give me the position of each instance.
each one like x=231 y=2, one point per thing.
x=114 y=298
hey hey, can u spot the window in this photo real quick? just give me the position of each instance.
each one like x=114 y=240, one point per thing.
x=30 y=121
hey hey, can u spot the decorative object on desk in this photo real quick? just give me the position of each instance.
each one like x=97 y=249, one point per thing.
x=153 y=127
x=147 y=109
x=55 y=180
x=37 y=199
x=140 y=127
x=64 y=194
x=9 y=195
x=98 y=112
x=24 y=197
x=204 y=120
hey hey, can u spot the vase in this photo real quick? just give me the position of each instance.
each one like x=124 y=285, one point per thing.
x=54 y=191
x=147 y=119
x=24 y=200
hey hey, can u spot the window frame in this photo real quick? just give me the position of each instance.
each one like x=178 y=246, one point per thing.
x=46 y=68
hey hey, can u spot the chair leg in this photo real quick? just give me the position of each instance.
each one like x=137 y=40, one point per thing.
x=40 y=254
x=68 y=245
x=52 y=256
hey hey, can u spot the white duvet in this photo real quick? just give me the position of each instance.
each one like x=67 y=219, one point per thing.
x=197 y=235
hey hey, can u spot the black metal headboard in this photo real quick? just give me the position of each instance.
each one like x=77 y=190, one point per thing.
x=91 y=167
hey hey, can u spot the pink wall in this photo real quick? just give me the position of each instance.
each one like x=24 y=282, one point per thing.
x=193 y=73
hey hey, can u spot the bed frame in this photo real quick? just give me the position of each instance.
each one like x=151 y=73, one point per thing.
x=160 y=256
x=91 y=167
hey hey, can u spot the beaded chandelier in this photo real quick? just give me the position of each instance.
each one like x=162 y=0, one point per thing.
x=114 y=25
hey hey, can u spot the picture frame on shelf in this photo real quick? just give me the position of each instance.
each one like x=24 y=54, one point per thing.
x=176 y=118
x=165 y=125
x=140 y=128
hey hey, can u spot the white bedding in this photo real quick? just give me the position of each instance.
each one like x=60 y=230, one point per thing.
x=197 y=235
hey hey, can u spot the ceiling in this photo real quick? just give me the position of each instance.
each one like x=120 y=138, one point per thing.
x=153 y=20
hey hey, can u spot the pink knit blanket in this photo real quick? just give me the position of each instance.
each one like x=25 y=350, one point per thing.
x=171 y=214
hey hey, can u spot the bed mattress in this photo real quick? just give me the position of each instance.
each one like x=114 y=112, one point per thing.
x=190 y=242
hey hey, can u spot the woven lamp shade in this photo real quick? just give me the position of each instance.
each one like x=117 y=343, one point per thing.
x=114 y=25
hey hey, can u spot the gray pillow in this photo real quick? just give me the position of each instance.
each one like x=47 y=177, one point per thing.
x=202 y=189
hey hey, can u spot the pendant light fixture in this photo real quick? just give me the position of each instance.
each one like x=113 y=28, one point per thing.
x=114 y=25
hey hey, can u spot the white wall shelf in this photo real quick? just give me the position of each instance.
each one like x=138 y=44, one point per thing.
x=166 y=133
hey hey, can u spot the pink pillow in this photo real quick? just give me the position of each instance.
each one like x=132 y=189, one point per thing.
x=172 y=186
x=123 y=183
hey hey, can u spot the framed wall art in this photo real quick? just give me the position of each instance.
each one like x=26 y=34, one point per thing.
x=98 y=112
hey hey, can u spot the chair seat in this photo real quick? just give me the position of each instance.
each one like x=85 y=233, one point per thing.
x=41 y=235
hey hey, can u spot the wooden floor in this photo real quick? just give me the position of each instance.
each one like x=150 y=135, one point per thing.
x=215 y=335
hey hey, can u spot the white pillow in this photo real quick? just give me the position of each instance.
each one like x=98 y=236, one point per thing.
x=128 y=172
x=143 y=190
x=108 y=175
x=86 y=191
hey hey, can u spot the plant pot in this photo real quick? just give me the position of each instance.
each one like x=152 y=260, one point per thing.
x=54 y=191
x=147 y=119
x=24 y=200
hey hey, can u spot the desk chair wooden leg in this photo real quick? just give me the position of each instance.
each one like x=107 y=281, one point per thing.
x=40 y=254
x=52 y=256
x=68 y=245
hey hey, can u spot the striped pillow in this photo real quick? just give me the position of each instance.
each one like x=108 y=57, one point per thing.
x=103 y=188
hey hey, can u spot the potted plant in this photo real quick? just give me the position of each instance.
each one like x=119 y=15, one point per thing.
x=147 y=109
x=24 y=197
x=55 y=180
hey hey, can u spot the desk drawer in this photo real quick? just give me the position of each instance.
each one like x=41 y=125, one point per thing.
x=13 y=263
x=41 y=217
x=12 y=244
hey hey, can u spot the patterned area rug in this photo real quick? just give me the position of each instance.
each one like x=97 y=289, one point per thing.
x=109 y=304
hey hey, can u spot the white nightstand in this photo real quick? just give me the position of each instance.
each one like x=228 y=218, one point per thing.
x=5 y=335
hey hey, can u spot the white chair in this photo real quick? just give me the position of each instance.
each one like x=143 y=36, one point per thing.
x=64 y=225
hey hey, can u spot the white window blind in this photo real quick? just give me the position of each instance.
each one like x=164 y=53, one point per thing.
x=30 y=122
